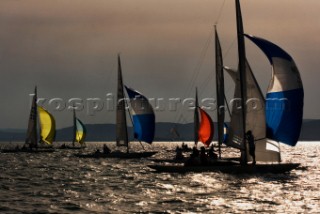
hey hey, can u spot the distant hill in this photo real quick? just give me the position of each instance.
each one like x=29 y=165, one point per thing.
x=310 y=130
x=106 y=132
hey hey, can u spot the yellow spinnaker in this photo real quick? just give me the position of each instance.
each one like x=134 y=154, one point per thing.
x=80 y=132
x=47 y=126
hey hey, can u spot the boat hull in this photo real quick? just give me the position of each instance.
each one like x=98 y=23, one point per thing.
x=70 y=148
x=186 y=158
x=121 y=155
x=228 y=168
x=26 y=151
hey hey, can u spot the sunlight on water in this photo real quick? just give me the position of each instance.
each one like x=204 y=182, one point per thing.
x=62 y=183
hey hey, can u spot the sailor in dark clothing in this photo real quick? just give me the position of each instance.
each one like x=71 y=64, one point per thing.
x=211 y=153
x=194 y=158
x=203 y=156
x=106 y=150
x=195 y=152
x=252 y=146
x=179 y=155
x=184 y=147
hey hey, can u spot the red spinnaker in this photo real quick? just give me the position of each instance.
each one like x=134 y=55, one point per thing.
x=205 y=131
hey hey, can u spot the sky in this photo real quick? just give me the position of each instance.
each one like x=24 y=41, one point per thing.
x=69 y=50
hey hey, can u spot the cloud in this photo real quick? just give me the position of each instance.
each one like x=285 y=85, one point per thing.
x=69 y=48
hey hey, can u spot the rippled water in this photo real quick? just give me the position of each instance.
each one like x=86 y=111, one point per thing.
x=58 y=182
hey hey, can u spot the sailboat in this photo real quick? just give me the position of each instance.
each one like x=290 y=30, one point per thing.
x=47 y=130
x=203 y=131
x=285 y=86
x=142 y=117
x=79 y=134
x=79 y=131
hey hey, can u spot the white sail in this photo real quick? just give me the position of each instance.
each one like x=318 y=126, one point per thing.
x=234 y=130
x=255 y=118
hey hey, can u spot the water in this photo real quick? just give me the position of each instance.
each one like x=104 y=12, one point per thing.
x=58 y=182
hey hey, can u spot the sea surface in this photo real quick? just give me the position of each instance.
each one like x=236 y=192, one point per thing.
x=59 y=182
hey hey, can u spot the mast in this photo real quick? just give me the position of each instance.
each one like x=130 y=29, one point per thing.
x=74 y=127
x=196 y=120
x=121 y=121
x=32 y=135
x=242 y=77
x=219 y=90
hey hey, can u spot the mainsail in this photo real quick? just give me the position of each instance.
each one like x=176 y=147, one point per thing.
x=196 y=120
x=142 y=115
x=284 y=105
x=235 y=133
x=219 y=90
x=47 y=126
x=205 y=131
x=242 y=79
x=255 y=118
x=32 y=135
x=121 y=121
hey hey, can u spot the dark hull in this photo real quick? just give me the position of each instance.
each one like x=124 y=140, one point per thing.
x=229 y=169
x=121 y=155
x=70 y=148
x=169 y=160
x=185 y=159
x=27 y=151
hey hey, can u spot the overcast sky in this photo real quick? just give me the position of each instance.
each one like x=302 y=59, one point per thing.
x=69 y=49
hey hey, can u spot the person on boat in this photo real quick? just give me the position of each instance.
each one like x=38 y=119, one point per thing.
x=106 y=149
x=97 y=152
x=23 y=148
x=252 y=146
x=203 y=156
x=179 y=155
x=184 y=147
x=194 y=158
x=195 y=152
x=211 y=154
x=63 y=146
x=30 y=146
